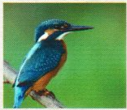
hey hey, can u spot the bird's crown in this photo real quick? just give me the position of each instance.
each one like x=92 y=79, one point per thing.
x=54 y=24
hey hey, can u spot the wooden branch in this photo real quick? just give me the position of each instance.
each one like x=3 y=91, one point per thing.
x=6 y=82
x=48 y=101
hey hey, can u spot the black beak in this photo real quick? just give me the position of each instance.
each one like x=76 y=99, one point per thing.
x=79 y=28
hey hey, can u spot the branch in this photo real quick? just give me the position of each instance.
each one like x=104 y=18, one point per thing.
x=48 y=101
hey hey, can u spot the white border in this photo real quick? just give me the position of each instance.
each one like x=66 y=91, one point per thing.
x=46 y=1
x=1 y=55
x=62 y=1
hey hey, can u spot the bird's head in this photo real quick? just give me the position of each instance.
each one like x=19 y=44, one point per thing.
x=56 y=29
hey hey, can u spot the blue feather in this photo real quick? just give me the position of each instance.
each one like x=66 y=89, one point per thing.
x=19 y=95
x=42 y=58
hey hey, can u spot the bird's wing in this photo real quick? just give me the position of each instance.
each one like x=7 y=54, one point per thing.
x=38 y=62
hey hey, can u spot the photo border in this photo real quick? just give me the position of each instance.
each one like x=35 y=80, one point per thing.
x=48 y=1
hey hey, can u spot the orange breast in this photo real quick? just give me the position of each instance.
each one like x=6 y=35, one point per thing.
x=43 y=81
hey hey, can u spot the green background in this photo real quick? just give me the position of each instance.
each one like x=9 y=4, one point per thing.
x=94 y=74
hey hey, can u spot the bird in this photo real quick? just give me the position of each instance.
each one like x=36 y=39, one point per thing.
x=45 y=58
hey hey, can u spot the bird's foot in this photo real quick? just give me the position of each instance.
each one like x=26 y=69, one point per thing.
x=45 y=92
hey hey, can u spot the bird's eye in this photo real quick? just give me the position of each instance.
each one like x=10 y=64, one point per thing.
x=65 y=25
x=62 y=27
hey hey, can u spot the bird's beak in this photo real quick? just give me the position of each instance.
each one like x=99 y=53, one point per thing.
x=79 y=28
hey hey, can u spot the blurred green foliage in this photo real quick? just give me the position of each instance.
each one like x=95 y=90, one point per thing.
x=94 y=74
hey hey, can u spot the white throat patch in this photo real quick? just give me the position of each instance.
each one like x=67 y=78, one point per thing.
x=62 y=36
x=44 y=36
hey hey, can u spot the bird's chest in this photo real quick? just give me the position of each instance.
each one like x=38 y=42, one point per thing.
x=58 y=46
x=44 y=80
x=52 y=52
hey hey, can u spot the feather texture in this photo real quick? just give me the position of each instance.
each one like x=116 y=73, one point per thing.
x=43 y=58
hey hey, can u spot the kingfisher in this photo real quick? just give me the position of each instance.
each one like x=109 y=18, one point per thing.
x=45 y=58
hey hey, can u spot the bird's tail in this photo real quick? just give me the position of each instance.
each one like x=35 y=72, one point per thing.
x=19 y=96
